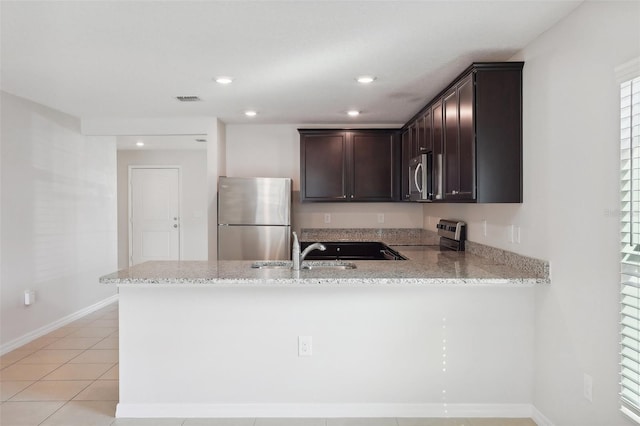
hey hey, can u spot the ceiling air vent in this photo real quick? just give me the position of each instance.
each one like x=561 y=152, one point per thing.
x=188 y=98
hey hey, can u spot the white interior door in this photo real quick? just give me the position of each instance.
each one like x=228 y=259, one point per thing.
x=154 y=215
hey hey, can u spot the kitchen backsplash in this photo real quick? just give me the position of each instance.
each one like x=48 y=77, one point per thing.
x=391 y=236
x=422 y=237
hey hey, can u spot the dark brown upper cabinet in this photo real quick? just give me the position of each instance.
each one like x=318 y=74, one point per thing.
x=349 y=165
x=475 y=134
x=438 y=136
x=426 y=142
x=409 y=142
x=459 y=142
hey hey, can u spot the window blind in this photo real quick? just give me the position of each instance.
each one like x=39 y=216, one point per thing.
x=630 y=247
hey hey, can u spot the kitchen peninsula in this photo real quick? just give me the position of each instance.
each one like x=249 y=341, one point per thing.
x=441 y=334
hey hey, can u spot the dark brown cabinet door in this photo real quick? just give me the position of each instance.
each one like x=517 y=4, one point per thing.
x=413 y=131
x=372 y=166
x=451 y=151
x=420 y=137
x=466 y=141
x=438 y=151
x=427 y=141
x=410 y=145
x=459 y=142
x=358 y=165
x=406 y=157
x=323 y=171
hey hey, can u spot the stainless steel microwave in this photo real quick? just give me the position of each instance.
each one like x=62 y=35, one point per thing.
x=421 y=178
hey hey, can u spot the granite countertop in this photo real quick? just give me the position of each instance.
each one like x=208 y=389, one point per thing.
x=427 y=265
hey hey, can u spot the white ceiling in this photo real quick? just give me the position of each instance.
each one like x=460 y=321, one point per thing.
x=292 y=61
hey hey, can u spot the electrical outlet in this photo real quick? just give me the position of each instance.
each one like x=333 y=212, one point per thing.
x=511 y=230
x=29 y=297
x=380 y=217
x=304 y=346
x=484 y=228
x=587 y=389
x=517 y=237
x=327 y=218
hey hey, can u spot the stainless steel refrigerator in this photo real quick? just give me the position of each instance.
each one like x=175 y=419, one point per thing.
x=254 y=218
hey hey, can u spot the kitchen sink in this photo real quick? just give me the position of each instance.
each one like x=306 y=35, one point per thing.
x=272 y=264
x=315 y=265
x=353 y=250
x=336 y=264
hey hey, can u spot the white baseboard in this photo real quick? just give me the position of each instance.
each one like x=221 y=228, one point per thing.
x=31 y=336
x=539 y=418
x=322 y=410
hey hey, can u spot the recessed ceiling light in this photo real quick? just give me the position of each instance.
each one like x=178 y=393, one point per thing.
x=353 y=113
x=139 y=143
x=365 y=79
x=250 y=113
x=223 y=80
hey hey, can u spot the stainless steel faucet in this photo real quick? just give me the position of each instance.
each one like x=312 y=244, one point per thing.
x=298 y=257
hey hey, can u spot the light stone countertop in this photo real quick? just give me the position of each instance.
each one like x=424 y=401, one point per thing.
x=427 y=266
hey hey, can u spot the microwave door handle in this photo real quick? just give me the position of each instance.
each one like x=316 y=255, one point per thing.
x=415 y=177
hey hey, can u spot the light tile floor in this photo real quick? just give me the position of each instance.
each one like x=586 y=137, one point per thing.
x=70 y=378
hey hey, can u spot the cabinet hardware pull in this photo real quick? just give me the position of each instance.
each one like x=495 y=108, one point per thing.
x=415 y=178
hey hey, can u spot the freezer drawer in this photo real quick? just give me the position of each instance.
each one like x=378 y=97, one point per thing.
x=254 y=242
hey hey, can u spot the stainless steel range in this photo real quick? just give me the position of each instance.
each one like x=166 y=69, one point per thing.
x=452 y=234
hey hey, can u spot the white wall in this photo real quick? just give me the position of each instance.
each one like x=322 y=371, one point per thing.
x=214 y=130
x=58 y=217
x=216 y=166
x=193 y=198
x=571 y=175
x=394 y=351
x=274 y=151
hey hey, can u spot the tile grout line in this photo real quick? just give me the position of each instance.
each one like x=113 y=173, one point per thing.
x=71 y=399
x=47 y=418
x=65 y=402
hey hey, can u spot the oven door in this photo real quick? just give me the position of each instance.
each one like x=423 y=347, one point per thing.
x=420 y=178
